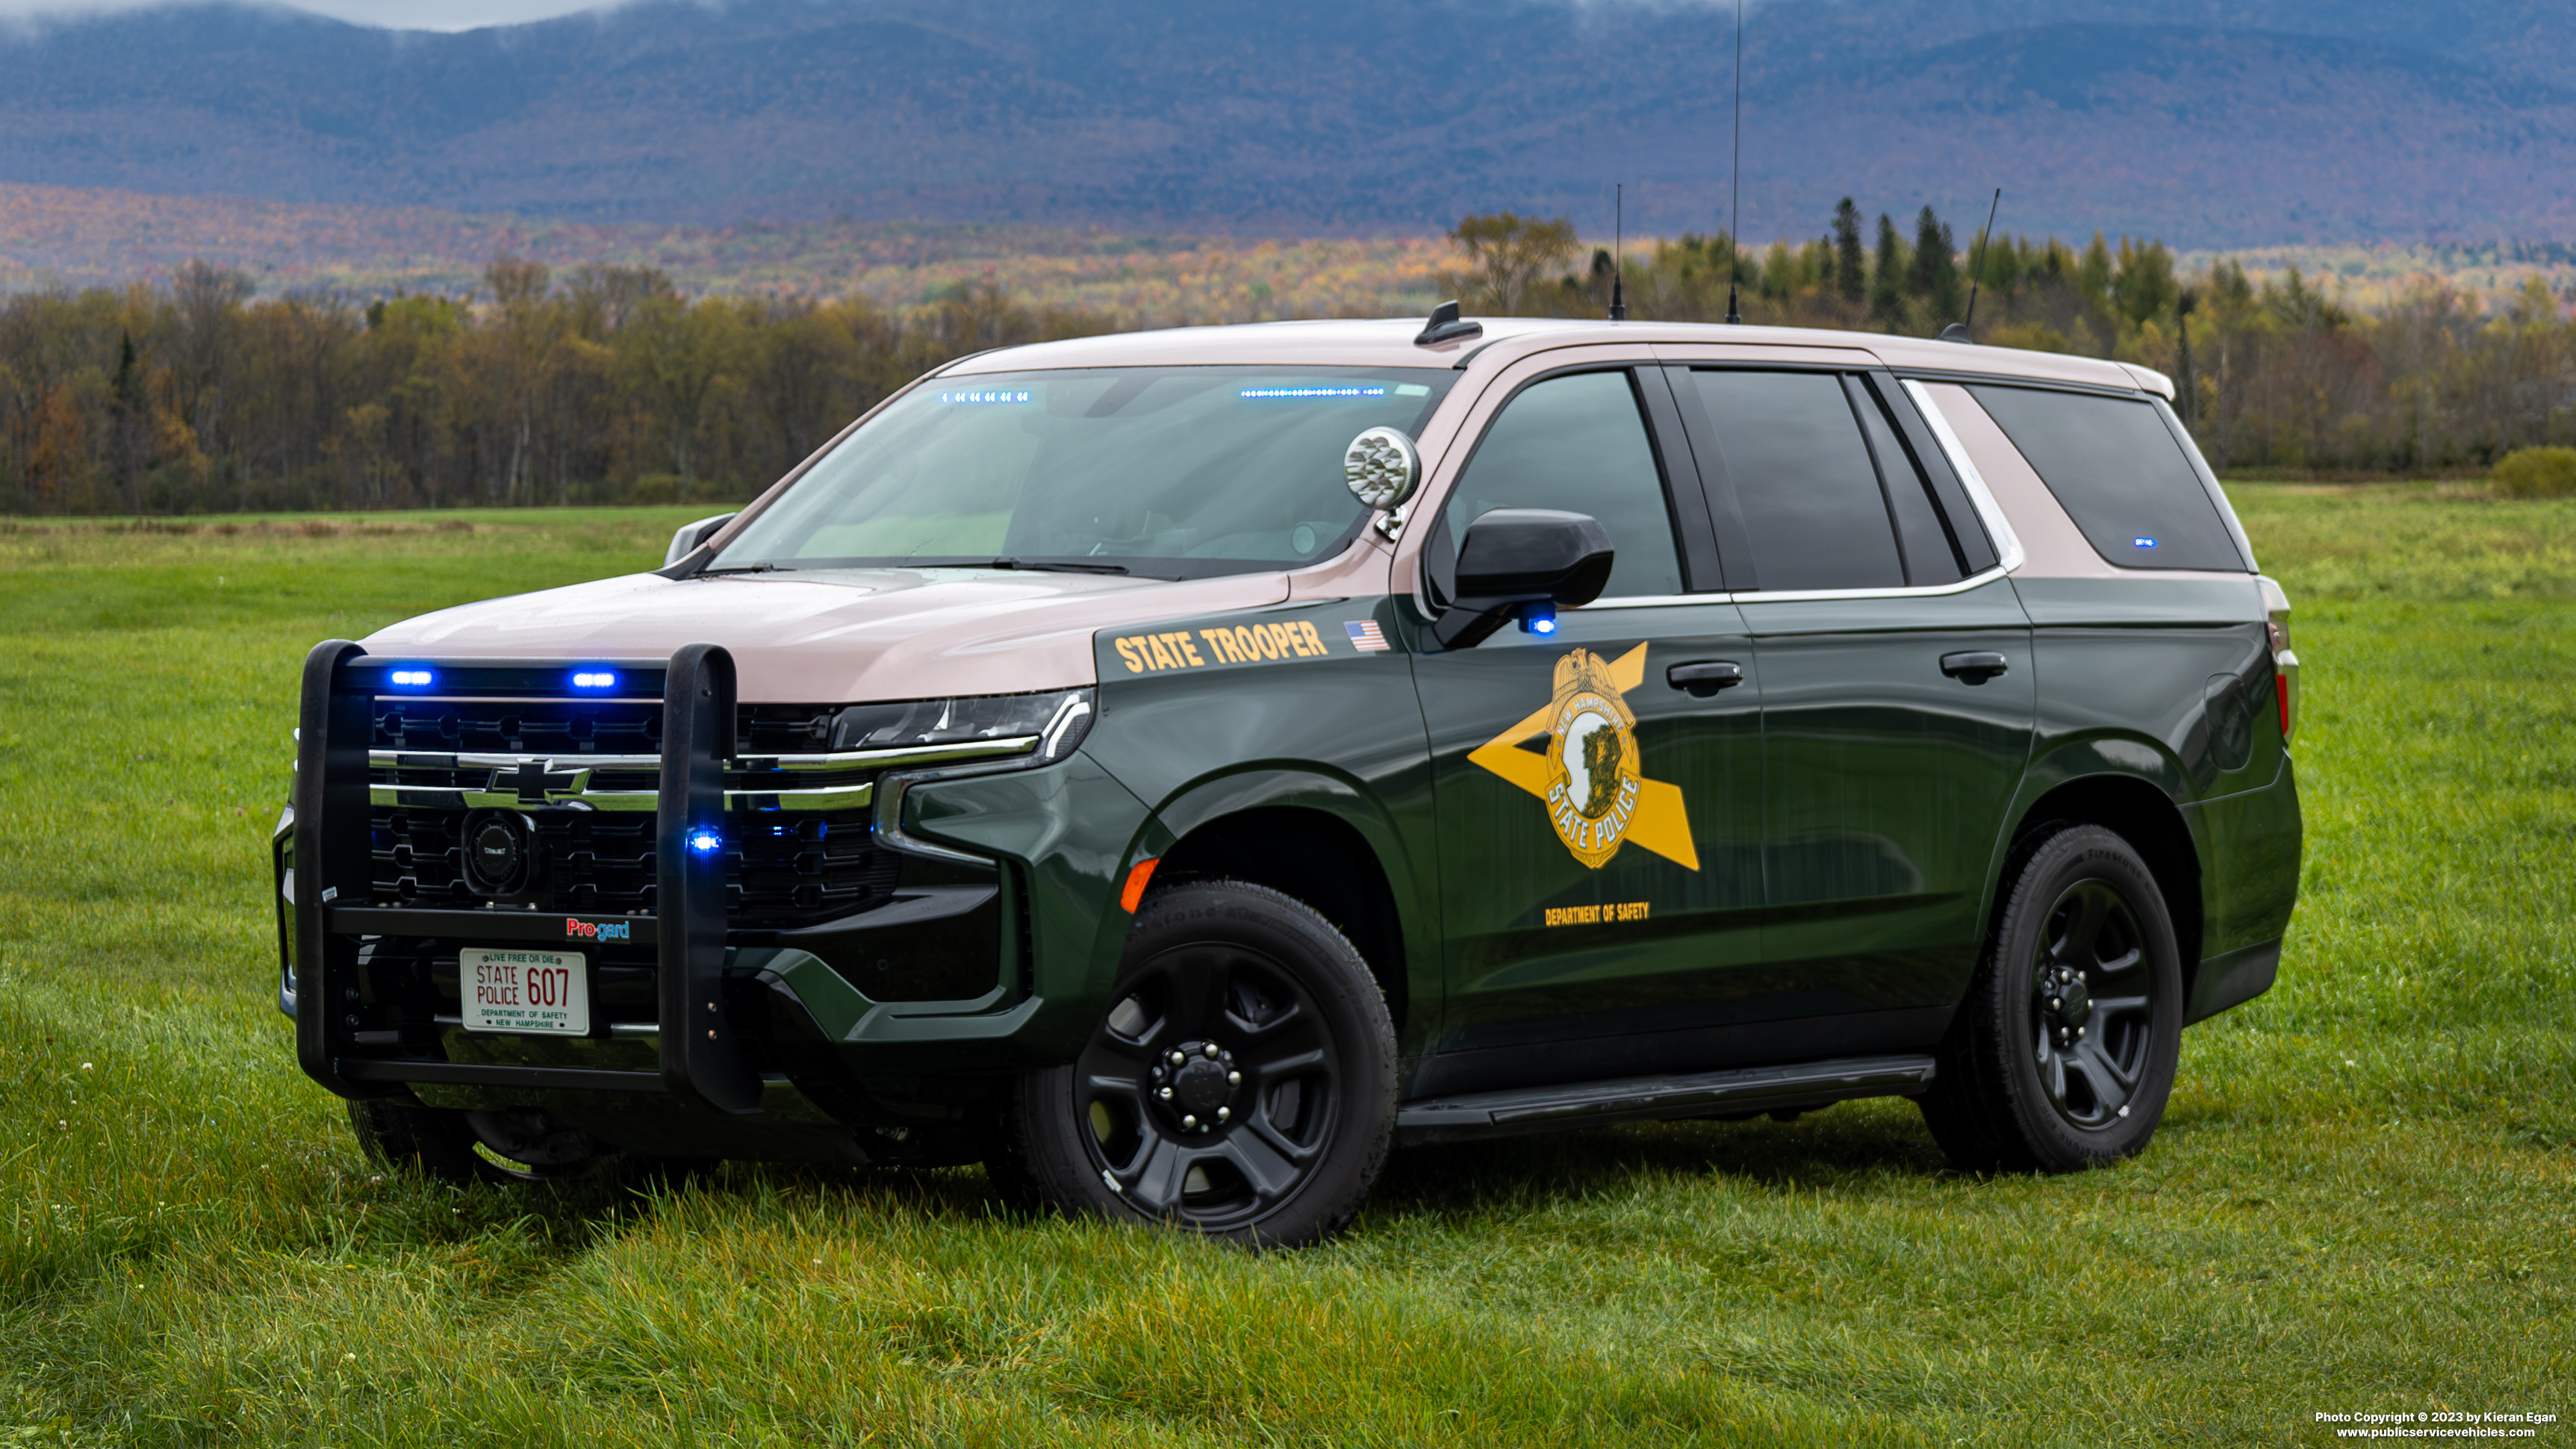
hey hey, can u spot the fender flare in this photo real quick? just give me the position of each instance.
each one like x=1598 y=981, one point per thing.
x=1411 y=881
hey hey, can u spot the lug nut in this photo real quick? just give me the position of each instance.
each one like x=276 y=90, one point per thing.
x=1208 y=1051
x=1178 y=1058
x=1165 y=1093
x=1234 y=1079
x=1222 y=1113
x=1189 y=1121
x=2079 y=1031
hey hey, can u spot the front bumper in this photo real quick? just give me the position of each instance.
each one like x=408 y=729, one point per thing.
x=696 y=1010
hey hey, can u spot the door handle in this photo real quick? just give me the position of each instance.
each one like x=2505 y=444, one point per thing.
x=1973 y=666
x=1704 y=680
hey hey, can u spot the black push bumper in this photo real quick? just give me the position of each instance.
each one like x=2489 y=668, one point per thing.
x=703 y=1054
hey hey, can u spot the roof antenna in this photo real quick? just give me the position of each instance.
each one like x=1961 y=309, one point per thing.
x=1618 y=252
x=1958 y=331
x=1735 y=178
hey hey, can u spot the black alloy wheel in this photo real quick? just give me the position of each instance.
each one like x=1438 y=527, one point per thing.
x=2063 y=1054
x=1241 y=1082
x=2092 y=1016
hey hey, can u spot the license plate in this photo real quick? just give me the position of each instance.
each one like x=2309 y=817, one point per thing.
x=545 y=992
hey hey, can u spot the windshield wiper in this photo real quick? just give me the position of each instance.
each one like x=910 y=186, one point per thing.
x=1056 y=568
x=758 y=568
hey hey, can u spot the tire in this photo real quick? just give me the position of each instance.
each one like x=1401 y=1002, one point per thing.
x=520 y=1145
x=1240 y=1085
x=2062 y=1056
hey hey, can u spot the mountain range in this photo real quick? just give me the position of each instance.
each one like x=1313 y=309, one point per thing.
x=2207 y=122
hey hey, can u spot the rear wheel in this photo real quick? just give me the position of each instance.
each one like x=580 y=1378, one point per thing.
x=2063 y=1054
x=516 y=1145
x=1241 y=1083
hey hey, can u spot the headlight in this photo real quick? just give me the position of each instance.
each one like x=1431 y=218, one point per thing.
x=1056 y=719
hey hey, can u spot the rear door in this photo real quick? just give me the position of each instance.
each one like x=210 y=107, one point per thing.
x=1897 y=699
x=1599 y=821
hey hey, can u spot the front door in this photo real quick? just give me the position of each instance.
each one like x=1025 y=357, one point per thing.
x=1598 y=810
x=1897 y=699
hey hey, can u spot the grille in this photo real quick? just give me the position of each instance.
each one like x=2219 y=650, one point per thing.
x=454 y=764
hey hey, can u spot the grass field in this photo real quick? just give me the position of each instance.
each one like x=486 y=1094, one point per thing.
x=2363 y=1198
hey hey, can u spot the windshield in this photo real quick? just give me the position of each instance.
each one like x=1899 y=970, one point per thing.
x=1168 y=472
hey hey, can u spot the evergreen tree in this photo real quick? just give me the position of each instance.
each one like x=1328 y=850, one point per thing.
x=1935 y=278
x=126 y=423
x=1850 y=281
x=1887 y=283
x=2093 y=273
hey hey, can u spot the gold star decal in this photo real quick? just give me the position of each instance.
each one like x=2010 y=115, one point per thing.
x=1590 y=776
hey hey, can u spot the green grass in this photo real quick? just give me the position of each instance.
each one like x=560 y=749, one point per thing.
x=2361 y=1200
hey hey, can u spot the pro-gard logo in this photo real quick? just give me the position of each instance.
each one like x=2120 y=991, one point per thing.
x=577 y=929
x=1592 y=777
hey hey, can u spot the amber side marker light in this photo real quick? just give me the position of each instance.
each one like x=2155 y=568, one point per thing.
x=1134 y=894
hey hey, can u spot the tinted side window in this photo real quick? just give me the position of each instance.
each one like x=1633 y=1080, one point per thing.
x=1931 y=552
x=2119 y=474
x=1803 y=478
x=1578 y=443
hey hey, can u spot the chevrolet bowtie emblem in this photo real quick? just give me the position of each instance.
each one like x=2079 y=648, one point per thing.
x=535 y=778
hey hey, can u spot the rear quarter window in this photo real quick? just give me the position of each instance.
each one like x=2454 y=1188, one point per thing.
x=2119 y=472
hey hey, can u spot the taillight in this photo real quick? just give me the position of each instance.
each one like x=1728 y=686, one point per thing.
x=2285 y=665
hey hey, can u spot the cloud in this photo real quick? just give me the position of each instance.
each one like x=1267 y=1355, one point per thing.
x=384 y=14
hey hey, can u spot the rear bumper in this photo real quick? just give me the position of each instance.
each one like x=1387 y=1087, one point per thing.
x=2232 y=979
x=2250 y=845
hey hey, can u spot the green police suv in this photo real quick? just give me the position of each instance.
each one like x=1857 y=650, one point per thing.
x=1174 y=769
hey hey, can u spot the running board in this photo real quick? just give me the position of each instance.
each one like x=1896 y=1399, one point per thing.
x=1633 y=1099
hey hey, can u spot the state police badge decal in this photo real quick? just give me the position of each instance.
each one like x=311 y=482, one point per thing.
x=1592 y=777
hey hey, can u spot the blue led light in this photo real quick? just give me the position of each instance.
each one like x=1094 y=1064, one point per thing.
x=1262 y=392
x=984 y=397
x=595 y=679
x=704 y=841
x=2142 y=543
x=412 y=678
x=1539 y=619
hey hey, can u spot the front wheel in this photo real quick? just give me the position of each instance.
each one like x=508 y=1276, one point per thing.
x=2063 y=1054
x=1241 y=1083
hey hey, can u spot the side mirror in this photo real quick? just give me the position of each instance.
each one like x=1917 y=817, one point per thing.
x=1522 y=563
x=685 y=542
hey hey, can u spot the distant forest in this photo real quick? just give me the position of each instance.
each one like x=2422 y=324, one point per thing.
x=606 y=384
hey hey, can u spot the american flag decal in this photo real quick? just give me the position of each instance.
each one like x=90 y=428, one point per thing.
x=1366 y=636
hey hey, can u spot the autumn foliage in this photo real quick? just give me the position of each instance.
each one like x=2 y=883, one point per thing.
x=609 y=384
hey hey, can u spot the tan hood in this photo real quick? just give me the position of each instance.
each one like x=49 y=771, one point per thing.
x=835 y=636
